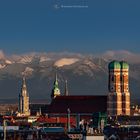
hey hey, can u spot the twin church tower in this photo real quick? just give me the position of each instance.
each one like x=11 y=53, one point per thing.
x=119 y=95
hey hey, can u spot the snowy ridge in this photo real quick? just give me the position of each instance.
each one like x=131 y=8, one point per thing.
x=65 y=61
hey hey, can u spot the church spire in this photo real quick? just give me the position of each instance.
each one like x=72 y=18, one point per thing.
x=56 y=81
x=66 y=88
x=24 y=87
x=56 y=90
x=24 y=83
x=24 y=99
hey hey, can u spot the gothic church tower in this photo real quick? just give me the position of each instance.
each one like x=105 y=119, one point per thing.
x=24 y=100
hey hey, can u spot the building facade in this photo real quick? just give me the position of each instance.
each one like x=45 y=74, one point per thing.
x=23 y=108
x=118 y=86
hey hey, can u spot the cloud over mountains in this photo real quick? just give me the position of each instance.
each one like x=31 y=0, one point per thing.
x=122 y=55
x=67 y=57
x=65 y=61
x=86 y=73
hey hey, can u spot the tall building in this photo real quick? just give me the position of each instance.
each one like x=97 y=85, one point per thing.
x=24 y=100
x=56 y=90
x=125 y=88
x=119 y=96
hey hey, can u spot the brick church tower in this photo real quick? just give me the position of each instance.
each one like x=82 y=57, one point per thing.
x=125 y=88
x=119 y=96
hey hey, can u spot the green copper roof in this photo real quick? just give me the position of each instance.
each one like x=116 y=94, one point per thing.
x=56 y=84
x=56 y=87
x=56 y=90
x=124 y=65
x=114 y=65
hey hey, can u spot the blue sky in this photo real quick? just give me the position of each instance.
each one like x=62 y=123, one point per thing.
x=98 y=26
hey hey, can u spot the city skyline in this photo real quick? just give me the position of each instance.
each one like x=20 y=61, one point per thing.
x=85 y=26
x=69 y=69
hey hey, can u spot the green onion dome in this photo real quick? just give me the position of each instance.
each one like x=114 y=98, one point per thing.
x=114 y=65
x=124 y=65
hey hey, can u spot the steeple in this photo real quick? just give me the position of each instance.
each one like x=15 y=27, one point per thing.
x=56 y=90
x=24 y=99
x=66 y=88
x=24 y=88
x=24 y=82
x=56 y=81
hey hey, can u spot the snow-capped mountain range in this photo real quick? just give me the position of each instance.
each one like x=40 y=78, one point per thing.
x=85 y=73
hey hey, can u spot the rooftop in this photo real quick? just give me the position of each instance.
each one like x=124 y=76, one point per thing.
x=78 y=104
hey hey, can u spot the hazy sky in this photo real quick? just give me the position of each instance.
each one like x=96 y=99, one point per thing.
x=69 y=25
